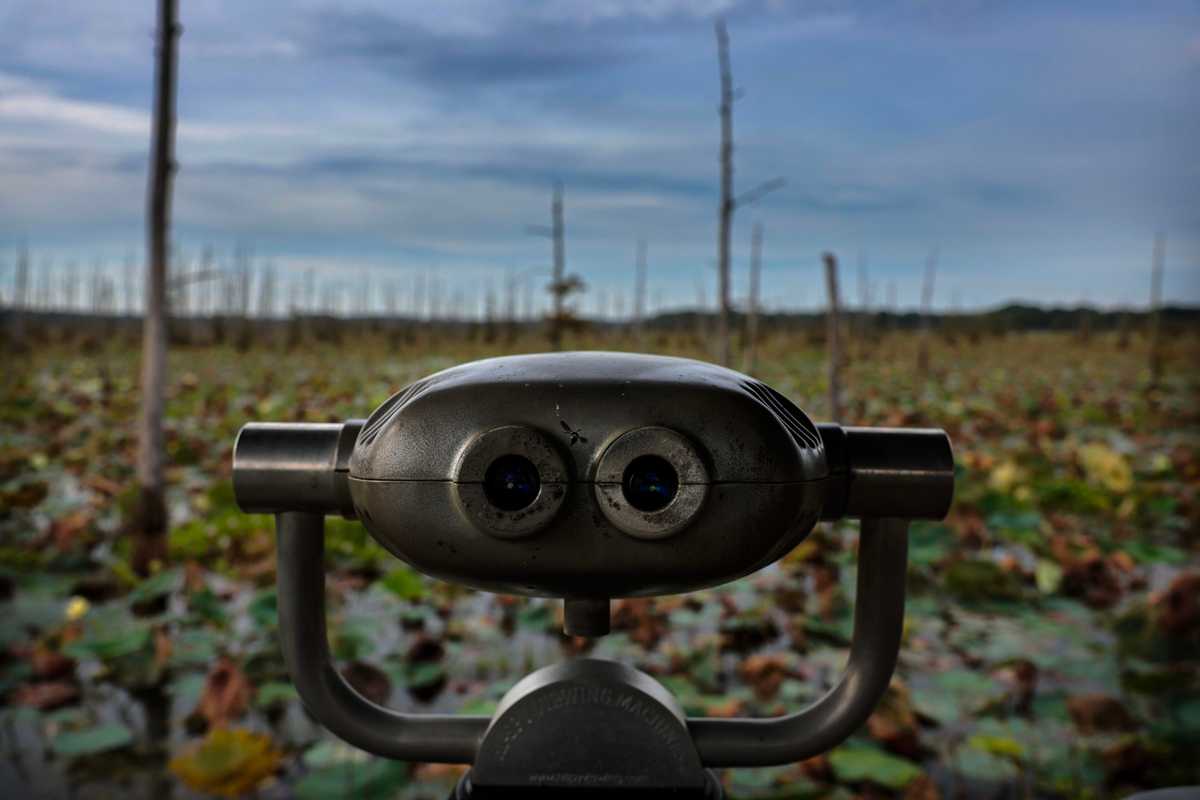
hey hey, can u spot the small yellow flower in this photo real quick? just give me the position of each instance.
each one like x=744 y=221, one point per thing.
x=76 y=608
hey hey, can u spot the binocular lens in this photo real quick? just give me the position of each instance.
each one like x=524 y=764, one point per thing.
x=511 y=483
x=649 y=483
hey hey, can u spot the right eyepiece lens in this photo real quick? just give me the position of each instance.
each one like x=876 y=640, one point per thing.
x=511 y=483
x=650 y=483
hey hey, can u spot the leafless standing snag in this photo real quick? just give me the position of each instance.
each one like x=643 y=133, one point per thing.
x=863 y=329
x=639 y=295
x=558 y=290
x=833 y=322
x=926 y=313
x=150 y=523
x=752 y=311
x=729 y=203
x=561 y=284
x=1156 y=280
x=20 y=301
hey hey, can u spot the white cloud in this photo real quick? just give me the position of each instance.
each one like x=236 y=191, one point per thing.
x=99 y=117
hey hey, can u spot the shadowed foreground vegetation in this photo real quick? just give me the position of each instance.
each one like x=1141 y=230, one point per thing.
x=1052 y=644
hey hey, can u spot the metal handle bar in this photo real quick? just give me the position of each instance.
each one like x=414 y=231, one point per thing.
x=875 y=643
x=878 y=622
x=326 y=695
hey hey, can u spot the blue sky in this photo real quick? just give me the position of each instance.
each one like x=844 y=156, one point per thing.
x=1037 y=145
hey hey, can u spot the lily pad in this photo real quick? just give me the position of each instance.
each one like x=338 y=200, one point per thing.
x=855 y=763
x=88 y=742
x=377 y=779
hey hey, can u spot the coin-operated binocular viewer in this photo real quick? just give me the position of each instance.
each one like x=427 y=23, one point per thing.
x=589 y=476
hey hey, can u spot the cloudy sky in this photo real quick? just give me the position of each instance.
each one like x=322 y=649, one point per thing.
x=1038 y=146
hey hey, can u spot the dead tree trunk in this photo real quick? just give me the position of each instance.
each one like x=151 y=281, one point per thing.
x=729 y=203
x=726 y=205
x=752 y=311
x=20 y=297
x=926 y=313
x=833 y=323
x=862 y=320
x=639 y=296
x=558 y=289
x=245 y=280
x=150 y=531
x=1156 y=280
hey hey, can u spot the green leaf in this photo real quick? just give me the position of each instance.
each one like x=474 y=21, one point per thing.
x=275 y=692
x=981 y=765
x=953 y=695
x=928 y=543
x=196 y=647
x=264 y=609
x=1002 y=746
x=354 y=639
x=156 y=586
x=377 y=779
x=1149 y=553
x=536 y=615
x=858 y=763
x=1017 y=526
x=479 y=706
x=405 y=583
x=981 y=581
x=771 y=783
x=110 y=634
x=420 y=675
x=100 y=739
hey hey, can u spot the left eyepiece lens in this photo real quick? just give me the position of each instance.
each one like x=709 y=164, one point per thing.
x=650 y=483
x=511 y=483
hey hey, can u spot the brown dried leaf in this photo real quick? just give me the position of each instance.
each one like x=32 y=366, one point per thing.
x=371 y=682
x=765 y=673
x=1177 y=610
x=817 y=768
x=1098 y=713
x=48 y=664
x=46 y=696
x=641 y=618
x=65 y=530
x=226 y=694
x=922 y=788
x=1093 y=579
x=439 y=773
x=893 y=724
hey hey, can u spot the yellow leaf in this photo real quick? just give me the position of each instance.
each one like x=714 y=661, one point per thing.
x=1107 y=467
x=1005 y=476
x=228 y=762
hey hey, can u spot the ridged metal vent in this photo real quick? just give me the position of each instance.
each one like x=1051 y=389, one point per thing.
x=388 y=411
x=803 y=431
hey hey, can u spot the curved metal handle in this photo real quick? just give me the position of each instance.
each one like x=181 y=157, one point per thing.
x=878 y=624
x=326 y=695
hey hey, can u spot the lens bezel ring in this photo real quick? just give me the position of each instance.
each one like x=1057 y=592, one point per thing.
x=471 y=467
x=678 y=451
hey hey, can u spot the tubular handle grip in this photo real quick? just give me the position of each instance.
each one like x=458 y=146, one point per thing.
x=878 y=623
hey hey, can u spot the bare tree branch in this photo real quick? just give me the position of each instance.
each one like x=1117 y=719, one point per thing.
x=759 y=192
